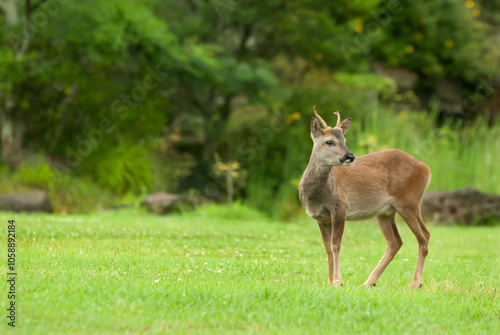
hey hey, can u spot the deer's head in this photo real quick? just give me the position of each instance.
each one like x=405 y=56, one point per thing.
x=329 y=142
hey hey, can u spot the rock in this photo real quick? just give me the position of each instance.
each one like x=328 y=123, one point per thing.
x=162 y=203
x=468 y=206
x=448 y=90
x=37 y=201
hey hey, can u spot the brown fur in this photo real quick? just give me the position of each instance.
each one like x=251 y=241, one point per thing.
x=379 y=185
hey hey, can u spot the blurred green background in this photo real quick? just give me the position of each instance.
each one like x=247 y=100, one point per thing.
x=104 y=102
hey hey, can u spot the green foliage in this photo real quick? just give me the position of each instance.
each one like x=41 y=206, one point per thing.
x=383 y=86
x=126 y=168
x=77 y=194
x=37 y=173
x=436 y=39
x=89 y=73
x=122 y=272
x=169 y=165
x=68 y=193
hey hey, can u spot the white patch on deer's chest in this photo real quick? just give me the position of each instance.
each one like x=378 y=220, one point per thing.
x=319 y=213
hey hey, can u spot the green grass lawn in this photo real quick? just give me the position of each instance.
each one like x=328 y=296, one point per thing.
x=212 y=271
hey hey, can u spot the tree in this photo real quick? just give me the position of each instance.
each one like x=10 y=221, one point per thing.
x=12 y=126
x=234 y=44
x=67 y=68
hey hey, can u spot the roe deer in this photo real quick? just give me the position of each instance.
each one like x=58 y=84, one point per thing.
x=379 y=185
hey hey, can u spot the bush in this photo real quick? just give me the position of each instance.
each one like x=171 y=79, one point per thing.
x=77 y=194
x=68 y=193
x=36 y=173
x=126 y=168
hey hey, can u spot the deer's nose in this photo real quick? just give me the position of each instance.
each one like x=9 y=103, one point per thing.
x=348 y=157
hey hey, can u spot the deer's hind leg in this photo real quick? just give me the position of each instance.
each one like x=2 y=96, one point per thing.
x=417 y=226
x=387 y=224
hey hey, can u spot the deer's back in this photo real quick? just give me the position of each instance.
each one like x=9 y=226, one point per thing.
x=375 y=182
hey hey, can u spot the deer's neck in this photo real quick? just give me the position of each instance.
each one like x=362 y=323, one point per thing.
x=317 y=179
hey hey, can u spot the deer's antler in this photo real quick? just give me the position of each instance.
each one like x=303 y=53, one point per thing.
x=338 y=118
x=319 y=118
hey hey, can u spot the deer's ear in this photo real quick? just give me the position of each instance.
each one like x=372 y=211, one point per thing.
x=344 y=125
x=315 y=128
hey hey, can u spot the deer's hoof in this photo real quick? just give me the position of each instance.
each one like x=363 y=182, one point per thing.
x=338 y=283
x=416 y=286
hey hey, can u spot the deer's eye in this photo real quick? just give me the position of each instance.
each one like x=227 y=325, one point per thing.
x=329 y=142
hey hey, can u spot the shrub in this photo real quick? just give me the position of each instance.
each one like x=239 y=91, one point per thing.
x=68 y=192
x=36 y=173
x=126 y=168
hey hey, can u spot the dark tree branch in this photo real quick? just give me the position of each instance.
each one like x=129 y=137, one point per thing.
x=35 y=6
x=31 y=7
x=247 y=32
x=225 y=111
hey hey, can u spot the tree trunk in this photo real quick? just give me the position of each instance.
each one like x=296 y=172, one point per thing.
x=12 y=133
x=10 y=8
x=11 y=128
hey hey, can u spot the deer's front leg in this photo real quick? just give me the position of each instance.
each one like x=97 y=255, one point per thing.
x=338 y=223
x=326 y=234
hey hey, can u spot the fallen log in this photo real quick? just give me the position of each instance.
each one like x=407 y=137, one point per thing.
x=467 y=206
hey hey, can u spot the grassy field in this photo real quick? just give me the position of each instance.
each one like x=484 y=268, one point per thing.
x=219 y=271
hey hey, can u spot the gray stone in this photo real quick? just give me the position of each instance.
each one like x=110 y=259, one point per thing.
x=162 y=203
x=37 y=201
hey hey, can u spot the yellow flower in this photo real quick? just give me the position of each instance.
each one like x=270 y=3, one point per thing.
x=294 y=117
x=418 y=36
x=476 y=12
x=478 y=24
x=410 y=49
x=318 y=55
x=358 y=29
x=469 y=4
x=220 y=168
x=448 y=44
